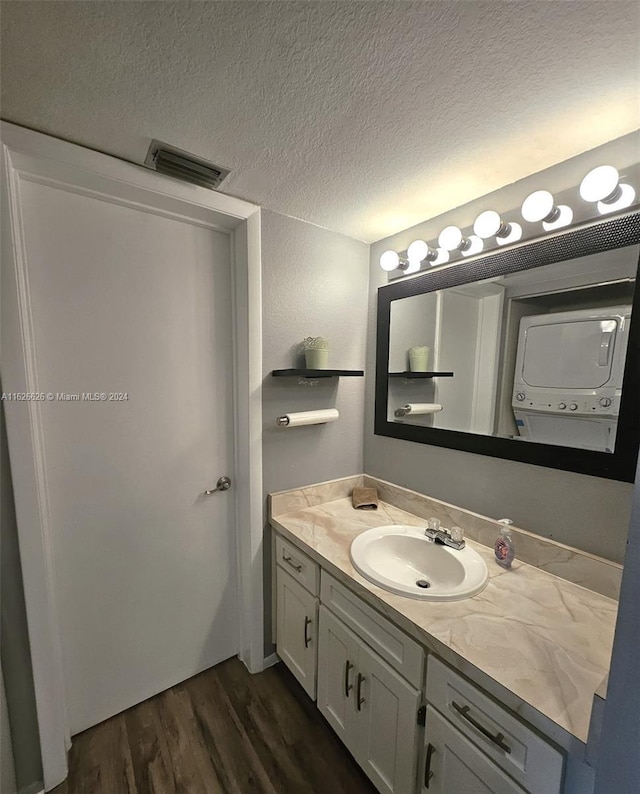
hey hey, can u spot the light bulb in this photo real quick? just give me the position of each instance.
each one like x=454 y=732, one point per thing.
x=487 y=224
x=541 y=206
x=389 y=261
x=451 y=238
x=564 y=218
x=627 y=195
x=475 y=245
x=442 y=257
x=515 y=233
x=600 y=183
x=417 y=251
x=538 y=206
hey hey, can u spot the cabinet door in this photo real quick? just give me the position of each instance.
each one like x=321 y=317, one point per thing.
x=337 y=660
x=297 y=630
x=454 y=764
x=387 y=729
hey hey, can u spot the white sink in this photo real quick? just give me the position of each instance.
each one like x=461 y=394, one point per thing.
x=399 y=557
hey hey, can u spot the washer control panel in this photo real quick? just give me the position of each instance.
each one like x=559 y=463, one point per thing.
x=599 y=404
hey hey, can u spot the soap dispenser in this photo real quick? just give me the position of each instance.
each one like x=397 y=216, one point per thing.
x=504 y=547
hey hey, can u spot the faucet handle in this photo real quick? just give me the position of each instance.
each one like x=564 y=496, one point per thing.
x=457 y=534
x=433 y=523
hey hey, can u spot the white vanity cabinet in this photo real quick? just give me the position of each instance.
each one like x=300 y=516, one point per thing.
x=473 y=744
x=369 y=705
x=452 y=763
x=369 y=679
x=297 y=613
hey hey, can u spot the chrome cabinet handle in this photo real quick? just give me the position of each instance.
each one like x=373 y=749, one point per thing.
x=359 y=699
x=307 y=623
x=223 y=484
x=347 y=686
x=497 y=739
x=428 y=774
x=298 y=568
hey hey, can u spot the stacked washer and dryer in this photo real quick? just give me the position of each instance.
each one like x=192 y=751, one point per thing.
x=568 y=377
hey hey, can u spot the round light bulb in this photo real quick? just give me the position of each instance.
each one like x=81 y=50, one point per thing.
x=627 y=195
x=515 y=233
x=487 y=224
x=389 y=261
x=565 y=216
x=413 y=266
x=476 y=245
x=537 y=206
x=417 y=251
x=441 y=259
x=450 y=238
x=599 y=183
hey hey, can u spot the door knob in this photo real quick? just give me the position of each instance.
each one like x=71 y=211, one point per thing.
x=223 y=484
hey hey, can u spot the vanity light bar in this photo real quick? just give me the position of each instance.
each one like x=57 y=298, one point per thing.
x=601 y=186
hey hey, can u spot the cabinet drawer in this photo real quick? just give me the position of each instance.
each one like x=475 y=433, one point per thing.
x=530 y=760
x=296 y=563
x=395 y=647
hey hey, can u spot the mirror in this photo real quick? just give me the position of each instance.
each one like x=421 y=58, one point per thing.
x=528 y=354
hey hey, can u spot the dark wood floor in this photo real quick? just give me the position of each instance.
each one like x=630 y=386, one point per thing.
x=222 y=731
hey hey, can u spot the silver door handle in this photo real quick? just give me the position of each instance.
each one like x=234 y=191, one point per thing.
x=223 y=484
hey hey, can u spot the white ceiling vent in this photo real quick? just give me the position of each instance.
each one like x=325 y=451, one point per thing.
x=181 y=165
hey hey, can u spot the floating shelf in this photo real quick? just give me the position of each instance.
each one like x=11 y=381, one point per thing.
x=317 y=373
x=414 y=375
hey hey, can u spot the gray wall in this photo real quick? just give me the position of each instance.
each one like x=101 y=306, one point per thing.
x=589 y=513
x=14 y=648
x=314 y=283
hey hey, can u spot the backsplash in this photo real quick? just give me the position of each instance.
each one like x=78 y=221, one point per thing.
x=312 y=495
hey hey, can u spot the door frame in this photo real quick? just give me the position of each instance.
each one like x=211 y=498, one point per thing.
x=33 y=156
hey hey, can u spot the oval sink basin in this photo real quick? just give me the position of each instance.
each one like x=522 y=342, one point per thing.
x=402 y=560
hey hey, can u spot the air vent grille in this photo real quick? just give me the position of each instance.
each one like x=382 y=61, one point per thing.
x=181 y=165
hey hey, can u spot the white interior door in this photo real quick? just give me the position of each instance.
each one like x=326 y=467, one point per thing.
x=133 y=302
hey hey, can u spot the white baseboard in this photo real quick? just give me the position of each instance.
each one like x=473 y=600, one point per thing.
x=32 y=788
x=269 y=661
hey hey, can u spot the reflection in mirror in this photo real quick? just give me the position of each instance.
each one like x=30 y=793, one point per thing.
x=536 y=356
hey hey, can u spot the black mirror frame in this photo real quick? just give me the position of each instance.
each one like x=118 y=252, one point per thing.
x=602 y=236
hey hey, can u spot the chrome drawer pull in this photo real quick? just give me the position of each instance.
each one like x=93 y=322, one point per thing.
x=298 y=568
x=498 y=739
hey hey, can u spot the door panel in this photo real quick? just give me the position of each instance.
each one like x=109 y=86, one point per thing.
x=129 y=301
x=338 y=648
x=297 y=630
x=387 y=735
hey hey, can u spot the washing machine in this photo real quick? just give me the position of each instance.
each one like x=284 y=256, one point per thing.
x=568 y=377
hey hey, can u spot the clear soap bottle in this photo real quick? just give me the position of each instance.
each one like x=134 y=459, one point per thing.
x=504 y=548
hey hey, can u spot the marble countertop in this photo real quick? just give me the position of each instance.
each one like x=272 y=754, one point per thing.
x=544 y=639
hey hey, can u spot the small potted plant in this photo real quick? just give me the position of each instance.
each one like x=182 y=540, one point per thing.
x=316 y=352
x=418 y=358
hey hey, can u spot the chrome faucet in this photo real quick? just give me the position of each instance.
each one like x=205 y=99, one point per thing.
x=437 y=534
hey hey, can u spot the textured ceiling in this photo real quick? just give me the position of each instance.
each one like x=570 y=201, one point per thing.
x=362 y=117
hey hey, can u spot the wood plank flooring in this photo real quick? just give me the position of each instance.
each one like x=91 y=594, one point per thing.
x=224 y=731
